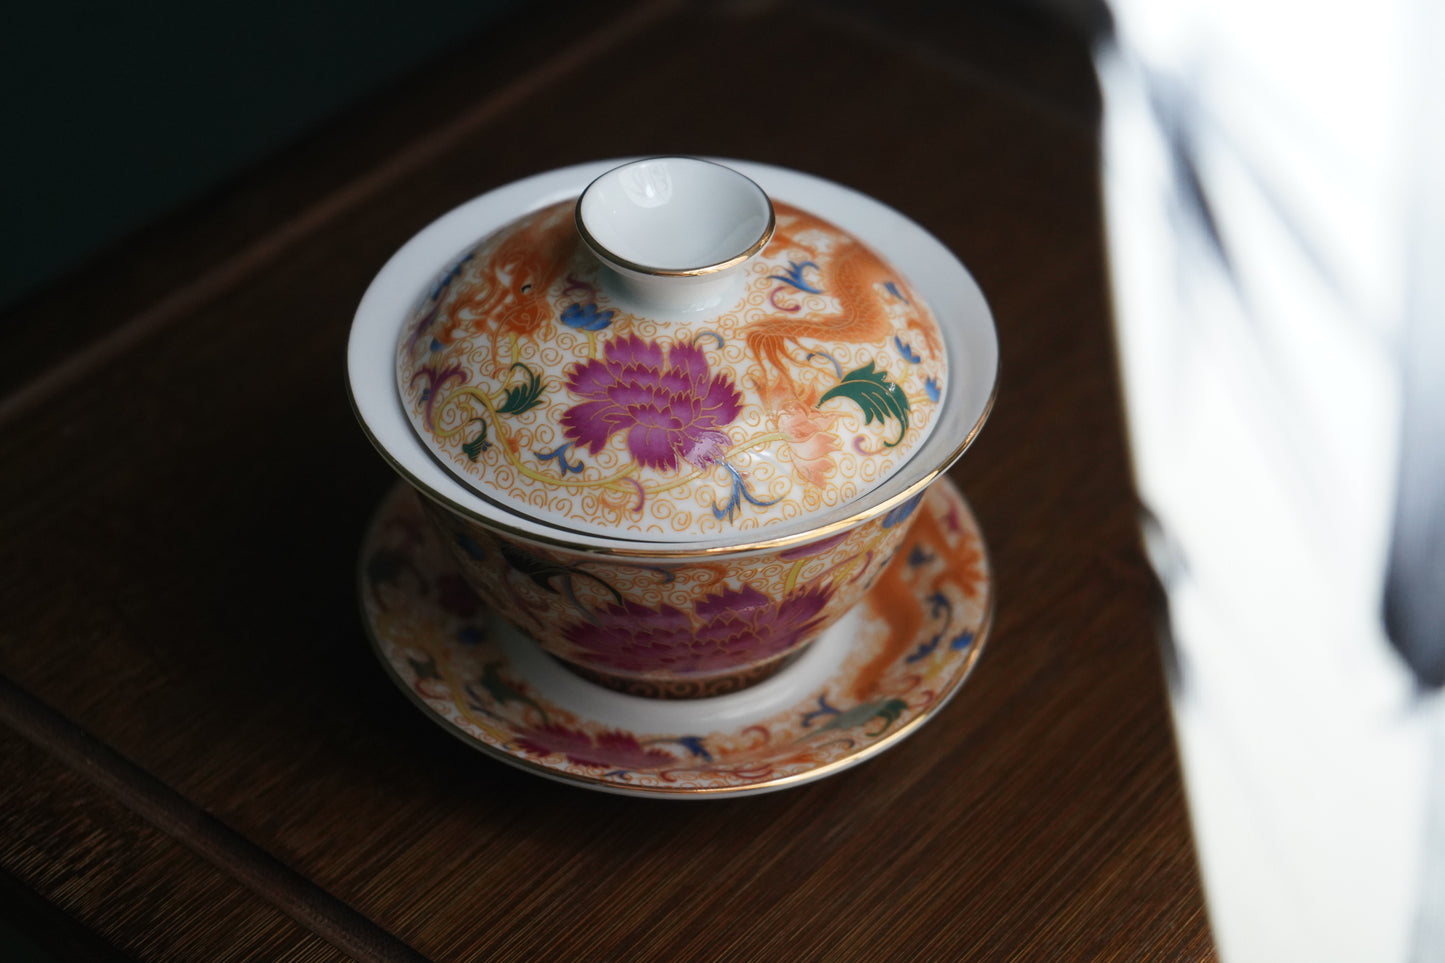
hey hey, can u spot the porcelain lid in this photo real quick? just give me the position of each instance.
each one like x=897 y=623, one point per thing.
x=671 y=358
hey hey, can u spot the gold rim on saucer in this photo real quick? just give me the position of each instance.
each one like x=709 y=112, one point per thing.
x=862 y=687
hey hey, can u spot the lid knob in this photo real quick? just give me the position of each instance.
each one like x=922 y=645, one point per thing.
x=676 y=231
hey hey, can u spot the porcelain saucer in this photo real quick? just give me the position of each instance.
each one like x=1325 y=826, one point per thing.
x=868 y=682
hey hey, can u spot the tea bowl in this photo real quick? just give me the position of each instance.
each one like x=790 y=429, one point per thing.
x=672 y=416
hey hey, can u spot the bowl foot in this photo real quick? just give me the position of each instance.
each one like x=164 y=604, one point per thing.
x=696 y=688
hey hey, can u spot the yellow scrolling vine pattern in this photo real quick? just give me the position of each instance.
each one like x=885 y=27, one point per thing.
x=532 y=381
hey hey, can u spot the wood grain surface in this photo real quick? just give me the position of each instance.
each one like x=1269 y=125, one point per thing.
x=203 y=760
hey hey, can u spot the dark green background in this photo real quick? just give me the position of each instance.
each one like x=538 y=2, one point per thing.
x=112 y=113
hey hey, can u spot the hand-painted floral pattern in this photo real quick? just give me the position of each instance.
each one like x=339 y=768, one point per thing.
x=666 y=401
x=733 y=627
x=606 y=750
x=806 y=430
x=689 y=628
x=586 y=317
x=921 y=630
x=537 y=383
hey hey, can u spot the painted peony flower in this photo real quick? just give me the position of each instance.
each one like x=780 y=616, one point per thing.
x=806 y=430
x=609 y=750
x=667 y=402
x=732 y=628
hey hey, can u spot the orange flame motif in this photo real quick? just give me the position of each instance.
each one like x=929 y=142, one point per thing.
x=512 y=300
x=861 y=282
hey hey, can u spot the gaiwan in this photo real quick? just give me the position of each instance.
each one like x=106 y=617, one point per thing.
x=672 y=415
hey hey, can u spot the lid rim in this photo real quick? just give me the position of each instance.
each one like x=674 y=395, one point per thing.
x=482 y=216
x=640 y=549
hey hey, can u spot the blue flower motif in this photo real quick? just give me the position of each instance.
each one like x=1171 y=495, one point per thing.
x=452 y=274
x=694 y=745
x=740 y=492
x=924 y=650
x=470 y=546
x=559 y=455
x=586 y=317
x=823 y=710
x=793 y=276
x=909 y=355
x=934 y=391
x=902 y=512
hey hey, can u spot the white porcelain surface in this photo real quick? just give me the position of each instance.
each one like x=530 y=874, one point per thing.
x=937 y=276
x=674 y=214
x=675 y=231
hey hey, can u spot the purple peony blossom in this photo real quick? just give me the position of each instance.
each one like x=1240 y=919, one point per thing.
x=669 y=404
x=609 y=750
x=733 y=628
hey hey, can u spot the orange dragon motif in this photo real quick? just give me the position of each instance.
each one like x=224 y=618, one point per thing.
x=855 y=276
x=511 y=299
x=894 y=595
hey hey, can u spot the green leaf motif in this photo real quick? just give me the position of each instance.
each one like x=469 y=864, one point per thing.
x=474 y=448
x=886 y=712
x=425 y=668
x=879 y=398
x=522 y=397
x=503 y=692
x=542 y=572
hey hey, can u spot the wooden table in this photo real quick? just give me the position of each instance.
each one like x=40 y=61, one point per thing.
x=204 y=761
